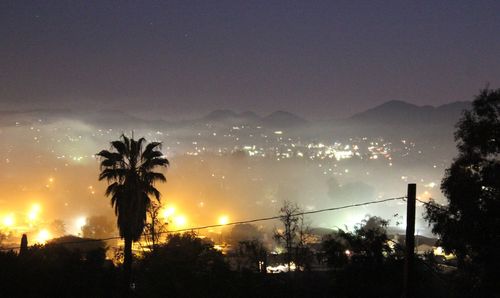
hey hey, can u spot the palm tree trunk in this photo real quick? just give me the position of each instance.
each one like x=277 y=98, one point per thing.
x=127 y=262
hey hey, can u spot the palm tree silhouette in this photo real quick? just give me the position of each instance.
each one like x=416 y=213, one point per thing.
x=129 y=169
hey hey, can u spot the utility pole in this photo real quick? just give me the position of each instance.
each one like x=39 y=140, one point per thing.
x=409 y=273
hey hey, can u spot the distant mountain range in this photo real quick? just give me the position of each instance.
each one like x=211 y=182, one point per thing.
x=389 y=113
x=399 y=113
x=393 y=112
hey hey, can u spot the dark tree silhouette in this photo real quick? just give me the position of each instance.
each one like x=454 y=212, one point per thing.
x=57 y=269
x=129 y=170
x=156 y=227
x=334 y=247
x=469 y=224
x=290 y=224
x=184 y=266
x=294 y=234
x=369 y=240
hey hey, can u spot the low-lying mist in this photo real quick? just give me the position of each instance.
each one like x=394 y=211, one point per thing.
x=223 y=169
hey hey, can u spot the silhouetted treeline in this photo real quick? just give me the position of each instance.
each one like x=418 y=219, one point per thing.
x=188 y=266
x=57 y=271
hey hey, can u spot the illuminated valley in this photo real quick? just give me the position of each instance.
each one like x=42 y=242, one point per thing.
x=50 y=172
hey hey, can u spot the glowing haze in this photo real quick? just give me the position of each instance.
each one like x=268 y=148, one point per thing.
x=225 y=168
x=75 y=75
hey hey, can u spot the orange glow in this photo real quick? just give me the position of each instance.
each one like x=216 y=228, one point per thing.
x=167 y=212
x=43 y=236
x=180 y=221
x=33 y=213
x=80 y=222
x=223 y=220
x=9 y=220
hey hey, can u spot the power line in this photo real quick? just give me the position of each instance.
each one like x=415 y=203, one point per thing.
x=279 y=216
x=435 y=206
x=233 y=223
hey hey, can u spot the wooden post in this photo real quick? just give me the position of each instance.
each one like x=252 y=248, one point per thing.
x=409 y=273
x=24 y=245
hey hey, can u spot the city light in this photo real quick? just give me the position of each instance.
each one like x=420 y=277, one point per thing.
x=43 y=236
x=9 y=220
x=430 y=185
x=33 y=213
x=223 y=220
x=80 y=222
x=180 y=221
x=167 y=212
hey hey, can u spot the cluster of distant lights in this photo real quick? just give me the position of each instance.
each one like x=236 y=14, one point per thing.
x=31 y=223
x=320 y=151
x=9 y=223
x=31 y=220
x=180 y=221
x=287 y=147
x=337 y=151
x=9 y=220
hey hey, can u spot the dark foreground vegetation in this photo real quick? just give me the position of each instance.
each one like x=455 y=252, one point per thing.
x=187 y=266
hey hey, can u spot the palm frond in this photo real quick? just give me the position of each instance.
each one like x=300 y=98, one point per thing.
x=140 y=143
x=151 y=155
x=120 y=147
x=113 y=174
x=113 y=188
x=126 y=142
x=115 y=202
x=134 y=151
x=153 y=177
x=109 y=163
x=151 y=147
x=155 y=162
x=105 y=154
x=151 y=190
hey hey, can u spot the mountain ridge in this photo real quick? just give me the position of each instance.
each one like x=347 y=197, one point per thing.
x=401 y=112
x=393 y=112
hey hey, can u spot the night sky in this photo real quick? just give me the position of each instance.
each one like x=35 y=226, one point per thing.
x=319 y=59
